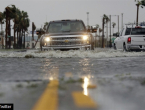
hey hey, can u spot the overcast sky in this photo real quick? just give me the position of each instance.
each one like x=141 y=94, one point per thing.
x=40 y=11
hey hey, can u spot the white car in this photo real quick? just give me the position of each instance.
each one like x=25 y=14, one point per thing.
x=131 y=38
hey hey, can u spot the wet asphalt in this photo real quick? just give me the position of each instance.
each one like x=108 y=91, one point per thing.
x=120 y=81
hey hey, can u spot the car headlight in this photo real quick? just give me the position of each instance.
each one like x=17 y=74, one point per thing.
x=85 y=37
x=47 y=39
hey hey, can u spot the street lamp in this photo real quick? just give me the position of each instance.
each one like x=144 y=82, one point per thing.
x=87 y=18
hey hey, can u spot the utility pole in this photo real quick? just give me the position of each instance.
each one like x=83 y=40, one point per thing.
x=103 y=33
x=106 y=33
x=87 y=18
x=32 y=34
x=137 y=14
x=6 y=29
x=110 y=31
x=118 y=23
x=122 y=20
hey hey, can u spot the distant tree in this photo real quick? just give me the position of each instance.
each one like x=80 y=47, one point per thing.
x=105 y=19
x=113 y=25
x=9 y=14
x=100 y=30
x=24 y=24
x=45 y=25
x=97 y=26
x=1 y=20
x=139 y=3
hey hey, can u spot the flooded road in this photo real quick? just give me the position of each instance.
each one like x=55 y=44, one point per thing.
x=110 y=83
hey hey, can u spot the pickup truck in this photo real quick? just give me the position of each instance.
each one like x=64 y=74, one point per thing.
x=131 y=38
x=67 y=34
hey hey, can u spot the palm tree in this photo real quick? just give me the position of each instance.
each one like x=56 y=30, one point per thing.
x=1 y=19
x=25 y=24
x=139 y=3
x=33 y=29
x=113 y=25
x=45 y=25
x=2 y=22
x=16 y=23
x=105 y=18
x=97 y=26
x=10 y=14
x=17 y=26
x=100 y=30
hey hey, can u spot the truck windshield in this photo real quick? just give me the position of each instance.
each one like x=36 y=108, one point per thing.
x=66 y=26
x=135 y=31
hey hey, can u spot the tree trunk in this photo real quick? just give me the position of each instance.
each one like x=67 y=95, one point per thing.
x=9 y=33
x=2 y=35
x=32 y=35
x=24 y=39
x=6 y=29
x=107 y=34
x=137 y=14
x=14 y=35
x=17 y=39
x=103 y=34
x=20 y=35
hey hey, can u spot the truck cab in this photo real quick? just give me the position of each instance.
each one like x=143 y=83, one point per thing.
x=67 y=34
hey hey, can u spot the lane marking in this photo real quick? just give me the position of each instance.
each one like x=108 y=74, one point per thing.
x=49 y=99
x=83 y=101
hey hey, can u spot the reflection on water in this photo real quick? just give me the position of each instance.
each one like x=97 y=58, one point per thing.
x=51 y=78
x=85 y=85
x=51 y=71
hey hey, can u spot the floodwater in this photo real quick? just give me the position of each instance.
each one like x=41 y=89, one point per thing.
x=119 y=78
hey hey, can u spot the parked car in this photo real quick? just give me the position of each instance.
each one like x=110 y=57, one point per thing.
x=131 y=38
x=67 y=34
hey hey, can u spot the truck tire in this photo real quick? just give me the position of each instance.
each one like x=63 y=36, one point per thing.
x=124 y=47
x=115 y=47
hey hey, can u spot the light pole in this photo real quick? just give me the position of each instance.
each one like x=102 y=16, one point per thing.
x=87 y=18
x=110 y=32
x=118 y=23
x=122 y=20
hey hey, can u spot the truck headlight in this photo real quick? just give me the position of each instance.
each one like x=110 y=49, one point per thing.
x=47 y=39
x=85 y=37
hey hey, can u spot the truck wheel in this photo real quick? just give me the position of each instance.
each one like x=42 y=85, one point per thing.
x=115 y=46
x=124 y=47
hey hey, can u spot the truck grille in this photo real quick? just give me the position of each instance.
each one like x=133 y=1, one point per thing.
x=66 y=41
x=68 y=38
